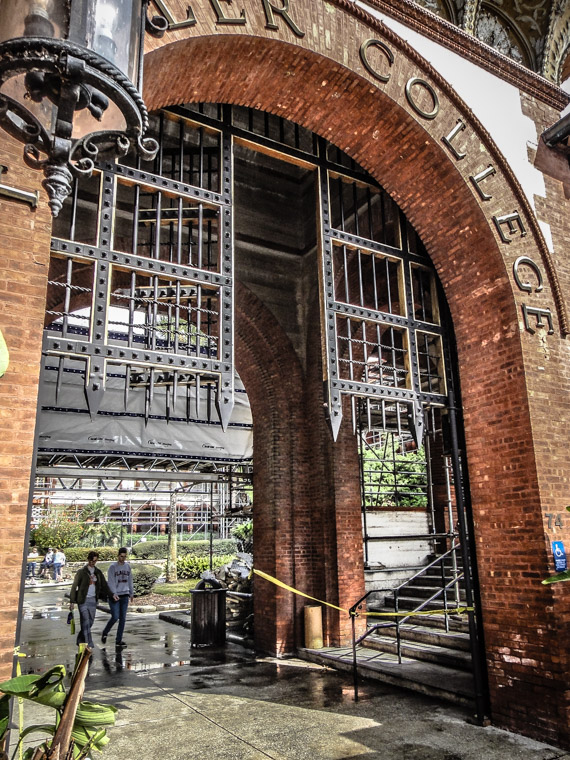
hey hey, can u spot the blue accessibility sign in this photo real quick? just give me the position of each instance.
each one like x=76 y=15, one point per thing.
x=559 y=554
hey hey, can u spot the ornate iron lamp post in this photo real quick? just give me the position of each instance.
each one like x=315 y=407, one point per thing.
x=65 y=64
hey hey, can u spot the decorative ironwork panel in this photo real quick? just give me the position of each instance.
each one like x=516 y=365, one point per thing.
x=141 y=278
x=383 y=340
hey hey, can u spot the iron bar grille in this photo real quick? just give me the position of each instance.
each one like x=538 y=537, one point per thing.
x=383 y=337
x=141 y=273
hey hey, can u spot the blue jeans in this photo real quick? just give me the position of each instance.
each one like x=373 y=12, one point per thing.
x=30 y=569
x=87 y=612
x=56 y=571
x=118 y=612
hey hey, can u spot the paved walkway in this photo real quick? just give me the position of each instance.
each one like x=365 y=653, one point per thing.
x=181 y=703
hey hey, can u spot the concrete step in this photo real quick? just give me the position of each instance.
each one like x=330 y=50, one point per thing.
x=428 y=678
x=421 y=651
x=420 y=634
x=457 y=623
x=435 y=575
x=410 y=603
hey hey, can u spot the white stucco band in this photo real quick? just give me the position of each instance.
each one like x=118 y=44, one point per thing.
x=496 y=103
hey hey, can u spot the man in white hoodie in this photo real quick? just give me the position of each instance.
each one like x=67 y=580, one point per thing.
x=120 y=582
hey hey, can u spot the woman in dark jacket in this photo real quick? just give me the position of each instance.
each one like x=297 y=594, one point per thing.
x=88 y=586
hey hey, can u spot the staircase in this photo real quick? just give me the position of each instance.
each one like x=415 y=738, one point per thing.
x=427 y=652
x=433 y=636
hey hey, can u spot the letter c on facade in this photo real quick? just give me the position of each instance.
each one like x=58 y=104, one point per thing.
x=526 y=286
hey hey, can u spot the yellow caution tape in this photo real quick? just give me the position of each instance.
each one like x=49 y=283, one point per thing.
x=271 y=579
x=453 y=611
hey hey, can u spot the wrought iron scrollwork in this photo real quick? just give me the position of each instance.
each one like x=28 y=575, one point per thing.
x=72 y=78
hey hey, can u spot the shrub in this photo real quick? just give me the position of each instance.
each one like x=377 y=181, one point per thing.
x=79 y=553
x=159 y=549
x=144 y=578
x=244 y=530
x=191 y=566
x=57 y=532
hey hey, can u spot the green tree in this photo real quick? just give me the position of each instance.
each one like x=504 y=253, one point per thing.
x=244 y=535
x=98 y=530
x=393 y=476
x=96 y=511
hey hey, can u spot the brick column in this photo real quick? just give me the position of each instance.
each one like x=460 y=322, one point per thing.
x=24 y=262
x=306 y=495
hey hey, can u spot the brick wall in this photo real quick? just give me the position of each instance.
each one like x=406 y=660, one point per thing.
x=24 y=258
x=306 y=499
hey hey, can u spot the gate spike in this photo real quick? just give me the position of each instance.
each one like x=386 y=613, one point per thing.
x=127 y=383
x=167 y=401
x=151 y=390
x=95 y=388
x=174 y=388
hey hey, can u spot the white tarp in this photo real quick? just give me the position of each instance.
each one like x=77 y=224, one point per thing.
x=67 y=425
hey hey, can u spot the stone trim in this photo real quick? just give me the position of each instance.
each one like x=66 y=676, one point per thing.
x=457 y=40
x=481 y=130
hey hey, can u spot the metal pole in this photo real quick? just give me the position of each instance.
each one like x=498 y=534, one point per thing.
x=478 y=661
x=171 y=573
x=354 y=661
x=211 y=526
x=362 y=450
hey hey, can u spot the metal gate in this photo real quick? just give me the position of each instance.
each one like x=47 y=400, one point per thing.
x=141 y=286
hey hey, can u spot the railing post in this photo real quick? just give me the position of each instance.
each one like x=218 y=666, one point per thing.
x=354 y=662
x=398 y=639
x=444 y=591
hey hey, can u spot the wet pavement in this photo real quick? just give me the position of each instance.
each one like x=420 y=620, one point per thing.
x=177 y=702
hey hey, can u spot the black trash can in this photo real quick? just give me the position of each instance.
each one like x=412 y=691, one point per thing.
x=208 y=615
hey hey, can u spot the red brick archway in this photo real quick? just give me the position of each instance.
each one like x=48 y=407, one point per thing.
x=334 y=102
x=306 y=496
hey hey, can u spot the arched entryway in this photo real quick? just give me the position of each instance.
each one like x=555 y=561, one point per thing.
x=410 y=160
x=157 y=246
x=473 y=241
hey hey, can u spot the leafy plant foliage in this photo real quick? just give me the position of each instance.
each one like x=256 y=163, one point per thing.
x=191 y=566
x=144 y=578
x=394 y=476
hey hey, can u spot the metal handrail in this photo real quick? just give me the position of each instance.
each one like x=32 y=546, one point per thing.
x=399 y=620
x=437 y=560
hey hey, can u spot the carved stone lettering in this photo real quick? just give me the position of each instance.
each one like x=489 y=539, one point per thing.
x=512 y=221
x=459 y=127
x=417 y=82
x=364 y=58
x=488 y=172
x=538 y=314
x=222 y=19
x=526 y=286
x=270 y=10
